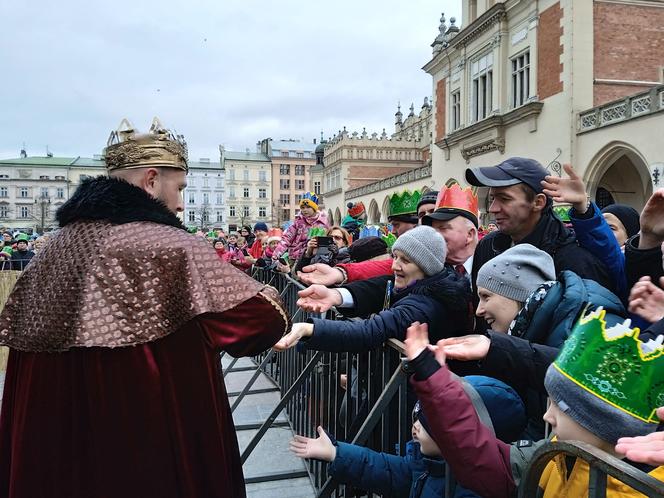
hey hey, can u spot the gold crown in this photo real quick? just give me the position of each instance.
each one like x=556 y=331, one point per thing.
x=159 y=147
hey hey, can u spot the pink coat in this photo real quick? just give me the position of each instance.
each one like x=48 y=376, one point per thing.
x=294 y=240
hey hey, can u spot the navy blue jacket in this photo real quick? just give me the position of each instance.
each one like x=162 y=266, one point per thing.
x=412 y=476
x=441 y=300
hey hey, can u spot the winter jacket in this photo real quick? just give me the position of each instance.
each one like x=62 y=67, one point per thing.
x=412 y=476
x=294 y=239
x=367 y=269
x=551 y=236
x=484 y=464
x=593 y=233
x=642 y=262
x=547 y=319
x=440 y=300
x=21 y=259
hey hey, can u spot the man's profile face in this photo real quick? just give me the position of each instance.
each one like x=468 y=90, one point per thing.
x=425 y=209
x=511 y=208
x=168 y=187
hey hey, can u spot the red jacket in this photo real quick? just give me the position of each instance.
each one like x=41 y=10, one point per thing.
x=479 y=461
x=367 y=269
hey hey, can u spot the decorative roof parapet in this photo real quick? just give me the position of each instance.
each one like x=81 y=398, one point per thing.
x=390 y=182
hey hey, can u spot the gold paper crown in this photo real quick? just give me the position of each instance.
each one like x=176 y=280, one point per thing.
x=158 y=148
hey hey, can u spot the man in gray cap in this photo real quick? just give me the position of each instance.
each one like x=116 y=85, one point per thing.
x=523 y=214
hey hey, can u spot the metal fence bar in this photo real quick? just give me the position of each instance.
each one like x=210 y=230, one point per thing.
x=596 y=458
x=252 y=380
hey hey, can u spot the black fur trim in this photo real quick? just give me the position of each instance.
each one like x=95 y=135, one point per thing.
x=114 y=200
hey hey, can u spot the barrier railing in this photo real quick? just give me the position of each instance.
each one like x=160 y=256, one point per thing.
x=360 y=398
x=373 y=409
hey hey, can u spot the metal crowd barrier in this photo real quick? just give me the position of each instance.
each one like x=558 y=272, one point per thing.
x=374 y=409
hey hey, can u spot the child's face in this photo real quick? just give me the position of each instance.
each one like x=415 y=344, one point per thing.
x=498 y=311
x=427 y=445
x=232 y=239
x=307 y=211
x=273 y=244
x=567 y=429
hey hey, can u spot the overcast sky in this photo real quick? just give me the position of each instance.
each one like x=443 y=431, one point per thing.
x=219 y=72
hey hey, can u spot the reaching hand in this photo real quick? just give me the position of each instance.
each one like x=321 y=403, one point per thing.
x=318 y=298
x=417 y=339
x=571 y=190
x=312 y=245
x=646 y=449
x=652 y=221
x=320 y=274
x=466 y=348
x=298 y=331
x=647 y=300
x=320 y=448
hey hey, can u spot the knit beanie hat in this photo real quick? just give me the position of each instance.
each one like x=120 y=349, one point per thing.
x=260 y=226
x=429 y=198
x=627 y=215
x=425 y=247
x=517 y=272
x=367 y=248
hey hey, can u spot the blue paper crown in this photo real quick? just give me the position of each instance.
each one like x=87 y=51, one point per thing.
x=370 y=231
x=310 y=196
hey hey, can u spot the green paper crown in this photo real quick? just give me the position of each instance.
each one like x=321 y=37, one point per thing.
x=404 y=203
x=562 y=212
x=614 y=365
x=389 y=239
x=316 y=232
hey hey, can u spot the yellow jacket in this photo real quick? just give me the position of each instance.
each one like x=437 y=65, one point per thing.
x=555 y=483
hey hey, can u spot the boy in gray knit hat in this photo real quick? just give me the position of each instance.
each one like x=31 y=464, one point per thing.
x=505 y=282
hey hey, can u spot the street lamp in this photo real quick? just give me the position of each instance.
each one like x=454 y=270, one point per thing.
x=43 y=202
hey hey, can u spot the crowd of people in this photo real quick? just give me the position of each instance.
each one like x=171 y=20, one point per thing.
x=563 y=317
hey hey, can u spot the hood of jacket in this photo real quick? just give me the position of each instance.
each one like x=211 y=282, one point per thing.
x=319 y=217
x=564 y=303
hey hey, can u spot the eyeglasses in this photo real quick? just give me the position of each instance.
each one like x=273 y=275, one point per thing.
x=337 y=237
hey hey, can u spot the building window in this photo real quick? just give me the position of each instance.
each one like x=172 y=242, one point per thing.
x=285 y=214
x=7 y=176
x=4 y=192
x=245 y=211
x=300 y=154
x=231 y=175
x=220 y=198
x=317 y=188
x=299 y=170
x=4 y=211
x=520 y=79
x=456 y=109
x=245 y=175
x=231 y=210
x=192 y=198
x=60 y=193
x=24 y=212
x=262 y=176
x=220 y=217
x=245 y=193
x=284 y=184
x=219 y=183
x=284 y=199
x=299 y=184
x=205 y=216
x=192 y=216
x=262 y=212
x=482 y=87
x=206 y=198
x=284 y=153
x=231 y=192
x=44 y=192
x=262 y=193
x=205 y=182
x=298 y=198
x=284 y=169
x=333 y=180
x=23 y=192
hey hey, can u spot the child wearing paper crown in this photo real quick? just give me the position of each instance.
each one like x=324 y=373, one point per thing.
x=294 y=239
x=604 y=384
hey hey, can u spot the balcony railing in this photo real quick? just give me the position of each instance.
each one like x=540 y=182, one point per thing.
x=390 y=182
x=619 y=111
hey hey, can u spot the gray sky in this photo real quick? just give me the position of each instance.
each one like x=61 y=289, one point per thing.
x=219 y=72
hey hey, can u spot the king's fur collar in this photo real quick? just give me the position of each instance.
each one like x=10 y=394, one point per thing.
x=116 y=201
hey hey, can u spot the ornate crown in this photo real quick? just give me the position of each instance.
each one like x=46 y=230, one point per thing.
x=562 y=212
x=311 y=199
x=389 y=239
x=457 y=198
x=404 y=202
x=615 y=365
x=158 y=148
x=355 y=209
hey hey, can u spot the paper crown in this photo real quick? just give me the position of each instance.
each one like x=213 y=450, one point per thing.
x=159 y=147
x=404 y=202
x=562 y=212
x=457 y=198
x=355 y=209
x=310 y=199
x=316 y=232
x=615 y=365
x=275 y=232
x=389 y=239
x=370 y=231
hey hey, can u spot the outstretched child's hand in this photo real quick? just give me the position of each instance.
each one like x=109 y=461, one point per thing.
x=320 y=448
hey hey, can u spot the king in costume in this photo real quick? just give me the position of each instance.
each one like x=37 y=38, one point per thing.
x=114 y=384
